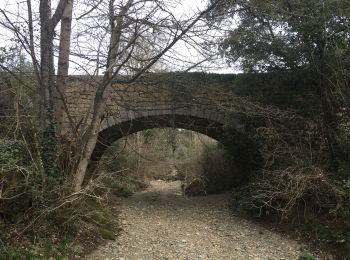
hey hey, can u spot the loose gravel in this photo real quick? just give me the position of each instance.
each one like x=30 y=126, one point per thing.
x=161 y=223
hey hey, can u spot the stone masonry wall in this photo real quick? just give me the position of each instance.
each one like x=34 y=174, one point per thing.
x=153 y=94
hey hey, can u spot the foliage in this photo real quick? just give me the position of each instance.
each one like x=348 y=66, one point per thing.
x=285 y=34
x=304 y=255
x=337 y=233
x=170 y=154
x=121 y=189
x=125 y=187
x=23 y=199
x=294 y=194
x=16 y=172
x=342 y=177
x=61 y=250
x=49 y=148
x=295 y=184
x=205 y=168
x=96 y=214
x=12 y=153
x=305 y=173
x=292 y=36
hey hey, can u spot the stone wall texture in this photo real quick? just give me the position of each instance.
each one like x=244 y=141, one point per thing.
x=194 y=94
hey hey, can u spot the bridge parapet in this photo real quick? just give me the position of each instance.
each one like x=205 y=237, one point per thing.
x=199 y=95
x=195 y=95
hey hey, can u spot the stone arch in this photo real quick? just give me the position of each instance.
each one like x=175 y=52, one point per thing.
x=206 y=122
x=244 y=150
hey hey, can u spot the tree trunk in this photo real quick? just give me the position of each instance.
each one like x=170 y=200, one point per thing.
x=46 y=59
x=90 y=139
x=48 y=151
x=117 y=25
x=63 y=67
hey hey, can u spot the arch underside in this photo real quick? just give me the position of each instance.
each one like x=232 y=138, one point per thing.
x=111 y=134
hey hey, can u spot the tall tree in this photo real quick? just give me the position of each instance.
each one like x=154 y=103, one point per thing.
x=130 y=23
x=290 y=35
x=109 y=38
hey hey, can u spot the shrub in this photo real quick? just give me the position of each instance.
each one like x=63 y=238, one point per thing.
x=16 y=173
x=122 y=185
x=293 y=193
x=61 y=250
x=306 y=256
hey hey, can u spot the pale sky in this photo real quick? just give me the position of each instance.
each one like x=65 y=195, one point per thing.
x=182 y=56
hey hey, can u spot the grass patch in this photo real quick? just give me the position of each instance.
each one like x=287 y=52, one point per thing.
x=60 y=250
x=305 y=255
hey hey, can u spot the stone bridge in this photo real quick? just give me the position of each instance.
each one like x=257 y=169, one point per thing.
x=195 y=101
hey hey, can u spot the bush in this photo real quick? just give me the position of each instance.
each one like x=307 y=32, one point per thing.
x=16 y=173
x=297 y=185
x=306 y=256
x=61 y=250
x=125 y=188
x=121 y=184
x=293 y=193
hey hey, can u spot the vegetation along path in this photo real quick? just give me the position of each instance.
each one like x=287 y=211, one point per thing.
x=161 y=223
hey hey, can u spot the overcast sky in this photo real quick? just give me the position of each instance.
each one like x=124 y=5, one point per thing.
x=182 y=56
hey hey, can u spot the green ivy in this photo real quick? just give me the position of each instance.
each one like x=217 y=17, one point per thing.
x=12 y=152
x=49 y=151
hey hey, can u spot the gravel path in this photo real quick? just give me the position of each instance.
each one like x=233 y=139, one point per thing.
x=160 y=223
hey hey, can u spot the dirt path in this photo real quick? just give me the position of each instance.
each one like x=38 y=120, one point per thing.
x=160 y=223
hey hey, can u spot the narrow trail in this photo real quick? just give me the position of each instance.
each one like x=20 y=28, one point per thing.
x=160 y=223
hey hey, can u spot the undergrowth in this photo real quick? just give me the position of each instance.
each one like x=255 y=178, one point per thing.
x=33 y=227
x=63 y=249
x=297 y=186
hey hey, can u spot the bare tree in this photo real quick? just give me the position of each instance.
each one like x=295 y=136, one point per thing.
x=129 y=25
x=111 y=36
x=35 y=31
